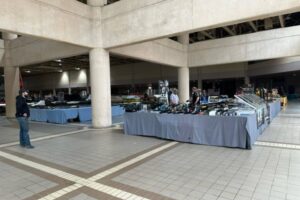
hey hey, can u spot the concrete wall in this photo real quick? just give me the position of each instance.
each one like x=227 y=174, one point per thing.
x=275 y=66
x=57 y=80
x=137 y=73
x=1 y=51
x=277 y=43
x=61 y=20
x=144 y=72
x=131 y=21
x=235 y=70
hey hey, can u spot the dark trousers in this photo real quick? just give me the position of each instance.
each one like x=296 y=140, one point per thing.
x=24 y=128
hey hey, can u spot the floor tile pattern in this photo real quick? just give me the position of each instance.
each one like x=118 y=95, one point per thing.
x=82 y=197
x=270 y=171
x=93 y=149
x=19 y=184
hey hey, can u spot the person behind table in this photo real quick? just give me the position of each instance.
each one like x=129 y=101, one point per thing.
x=22 y=116
x=195 y=96
x=204 y=97
x=174 y=99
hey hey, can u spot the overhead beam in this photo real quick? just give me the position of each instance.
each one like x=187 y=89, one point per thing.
x=250 y=47
x=27 y=51
x=1 y=52
x=163 y=51
x=152 y=19
x=60 y=20
x=207 y=34
x=253 y=26
x=275 y=66
x=282 y=21
x=229 y=31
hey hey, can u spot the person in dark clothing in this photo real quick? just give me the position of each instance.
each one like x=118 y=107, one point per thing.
x=195 y=96
x=22 y=116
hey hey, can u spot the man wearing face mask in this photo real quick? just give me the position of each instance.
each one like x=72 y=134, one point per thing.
x=22 y=116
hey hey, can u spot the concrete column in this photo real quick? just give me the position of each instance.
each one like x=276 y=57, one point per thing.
x=54 y=92
x=11 y=78
x=100 y=88
x=200 y=83
x=96 y=3
x=183 y=84
x=184 y=39
x=246 y=76
x=199 y=78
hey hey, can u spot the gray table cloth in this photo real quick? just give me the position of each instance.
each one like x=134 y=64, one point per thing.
x=275 y=108
x=238 y=132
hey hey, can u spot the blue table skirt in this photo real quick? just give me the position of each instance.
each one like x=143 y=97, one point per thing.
x=85 y=114
x=275 y=108
x=239 y=132
x=38 y=115
x=61 y=116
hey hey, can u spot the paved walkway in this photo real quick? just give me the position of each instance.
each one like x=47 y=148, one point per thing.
x=74 y=162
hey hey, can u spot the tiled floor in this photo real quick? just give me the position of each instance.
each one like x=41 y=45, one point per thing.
x=85 y=164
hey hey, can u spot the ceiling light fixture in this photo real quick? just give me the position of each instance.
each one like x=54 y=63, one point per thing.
x=58 y=60
x=28 y=71
x=77 y=68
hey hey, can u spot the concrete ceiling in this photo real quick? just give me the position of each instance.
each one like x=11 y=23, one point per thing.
x=288 y=20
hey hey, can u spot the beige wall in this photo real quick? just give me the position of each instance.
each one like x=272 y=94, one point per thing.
x=137 y=73
x=144 y=72
x=57 y=80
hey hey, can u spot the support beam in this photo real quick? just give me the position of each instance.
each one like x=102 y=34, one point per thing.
x=253 y=26
x=183 y=84
x=163 y=51
x=282 y=21
x=207 y=34
x=184 y=39
x=246 y=75
x=66 y=21
x=11 y=78
x=27 y=51
x=1 y=52
x=96 y=3
x=100 y=86
x=152 y=19
x=255 y=46
x=275 y=66
x=229 y=31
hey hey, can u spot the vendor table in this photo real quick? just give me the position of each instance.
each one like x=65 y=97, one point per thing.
x=275 y=108
x=38 y=115
x=239 y=131
x=62 y=115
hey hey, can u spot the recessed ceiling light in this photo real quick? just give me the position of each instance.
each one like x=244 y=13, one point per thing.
x=60 y=64
x=60 y=70
x=27 y=71
x=77 y=68
x=58 y=60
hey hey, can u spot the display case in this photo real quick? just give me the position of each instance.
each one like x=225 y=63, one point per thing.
x=257 y=104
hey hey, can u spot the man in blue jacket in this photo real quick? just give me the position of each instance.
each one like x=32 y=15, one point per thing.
x=22 y=116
